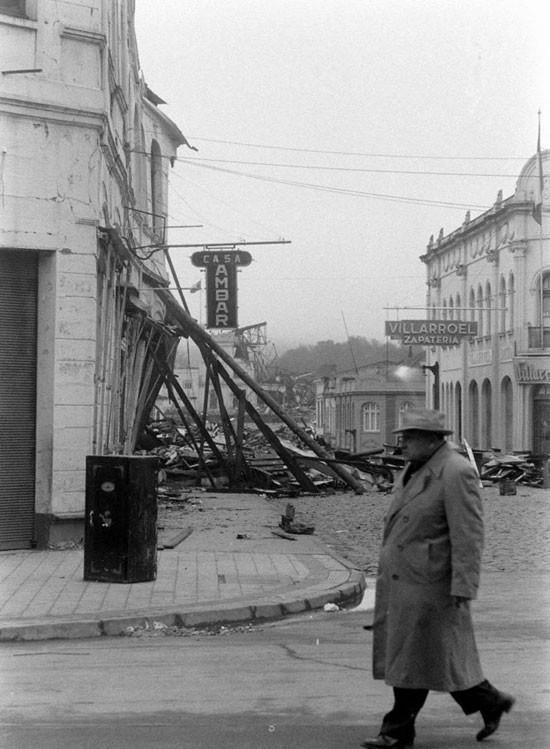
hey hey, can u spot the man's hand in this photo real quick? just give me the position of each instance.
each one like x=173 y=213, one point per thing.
x=459 y=600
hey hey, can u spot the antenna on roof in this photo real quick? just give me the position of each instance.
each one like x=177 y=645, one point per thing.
x=349 y=344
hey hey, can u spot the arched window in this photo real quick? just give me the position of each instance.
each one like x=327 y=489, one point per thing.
x=510 y=305
x=544 y=299
x=403 y=408
x=502 y=304
x=488 y=305
x=479 y=306
x=139 y=163
x=458 y=411
x=507 y=413
x=486 y=414
x=458 y=303
x=472 y=305
x=444 y=310
x=370 y=417
x=156 y=188
x=473 y=410
x=451 y=309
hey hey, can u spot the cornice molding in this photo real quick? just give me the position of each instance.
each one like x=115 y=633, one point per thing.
x=47 y=111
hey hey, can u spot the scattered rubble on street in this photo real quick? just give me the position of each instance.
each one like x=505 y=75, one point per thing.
x=153 y=628
x=194 y=463
x=186 y=460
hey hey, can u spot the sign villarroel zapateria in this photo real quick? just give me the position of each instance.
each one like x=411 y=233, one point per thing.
x=221 y=284
x=431 y=332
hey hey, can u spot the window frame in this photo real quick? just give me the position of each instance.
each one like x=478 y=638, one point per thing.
x=21 y=11
x=370 y=417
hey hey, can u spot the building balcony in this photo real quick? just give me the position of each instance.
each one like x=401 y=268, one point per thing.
x=534 y=339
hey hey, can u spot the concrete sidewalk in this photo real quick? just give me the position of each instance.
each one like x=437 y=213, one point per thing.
x=233 y=569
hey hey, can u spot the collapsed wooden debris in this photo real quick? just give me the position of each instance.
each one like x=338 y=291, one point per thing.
x=509 y=470
x=188 y=458
x=263 y=471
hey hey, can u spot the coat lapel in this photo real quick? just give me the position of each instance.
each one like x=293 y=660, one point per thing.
x=418 y=483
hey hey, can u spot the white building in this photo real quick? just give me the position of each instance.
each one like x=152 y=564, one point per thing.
x=85 y=153
x=495 y=270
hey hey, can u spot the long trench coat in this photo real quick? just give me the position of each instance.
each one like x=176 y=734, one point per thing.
x=431 y=551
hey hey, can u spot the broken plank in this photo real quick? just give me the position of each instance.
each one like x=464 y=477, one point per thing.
x=175 y=538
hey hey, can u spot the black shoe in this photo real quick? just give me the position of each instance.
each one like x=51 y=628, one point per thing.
x=383 y=741
x=492 y=718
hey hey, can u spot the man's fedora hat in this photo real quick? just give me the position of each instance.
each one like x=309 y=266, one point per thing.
x=423 y=420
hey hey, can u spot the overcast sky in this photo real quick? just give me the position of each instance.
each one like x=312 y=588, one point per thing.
x=354 y=129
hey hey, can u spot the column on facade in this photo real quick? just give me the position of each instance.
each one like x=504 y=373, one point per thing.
x=493 y=257
x=522 y=416
x=518 y=302
x=463 y=420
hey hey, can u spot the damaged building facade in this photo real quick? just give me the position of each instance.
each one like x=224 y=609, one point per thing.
x=85 y=156
x=358 y=409
x=494 y=271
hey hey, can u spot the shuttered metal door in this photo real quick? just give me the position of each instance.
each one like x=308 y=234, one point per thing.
x=18 y=299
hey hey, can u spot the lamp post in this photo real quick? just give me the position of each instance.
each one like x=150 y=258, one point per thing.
x=434 y=369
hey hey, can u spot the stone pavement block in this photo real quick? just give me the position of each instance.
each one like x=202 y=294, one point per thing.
x=292 y=606
x=211 y=576
x=216 y=616
x=50 y=630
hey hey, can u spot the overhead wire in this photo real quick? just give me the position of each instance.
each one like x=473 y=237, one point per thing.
x=343 y=190
x=357 y=153
x=223 y=202
x=320 y=167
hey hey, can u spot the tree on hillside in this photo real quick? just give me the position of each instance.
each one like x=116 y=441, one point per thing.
x=355 y=352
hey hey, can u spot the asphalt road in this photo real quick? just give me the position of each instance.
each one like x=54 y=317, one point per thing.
x=300 y=682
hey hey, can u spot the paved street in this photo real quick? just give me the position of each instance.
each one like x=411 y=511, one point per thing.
x=517 y=528
x=302 y=681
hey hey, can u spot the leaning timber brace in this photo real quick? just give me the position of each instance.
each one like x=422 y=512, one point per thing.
x=287 y=457
x=206 y=343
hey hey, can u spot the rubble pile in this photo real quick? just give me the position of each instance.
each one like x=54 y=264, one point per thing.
x=187 y=457
x=525 y=468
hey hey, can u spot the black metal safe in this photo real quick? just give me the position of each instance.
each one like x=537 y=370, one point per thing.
x=120 y=538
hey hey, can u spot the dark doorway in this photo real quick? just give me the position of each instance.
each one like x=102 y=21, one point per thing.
x=541 y=421
x=18 y=299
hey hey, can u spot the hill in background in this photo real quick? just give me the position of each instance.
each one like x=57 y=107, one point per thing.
x=356 y=352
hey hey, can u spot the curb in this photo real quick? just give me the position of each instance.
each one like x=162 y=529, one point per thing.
x=346 y=594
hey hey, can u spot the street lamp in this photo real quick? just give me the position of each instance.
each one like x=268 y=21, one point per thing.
x=434 y=369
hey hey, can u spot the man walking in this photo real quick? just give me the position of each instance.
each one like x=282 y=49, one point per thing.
x=428 y=573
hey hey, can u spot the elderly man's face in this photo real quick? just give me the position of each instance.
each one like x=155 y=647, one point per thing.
x=418 y=445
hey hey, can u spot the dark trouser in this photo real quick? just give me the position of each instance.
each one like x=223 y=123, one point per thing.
x=399 y=722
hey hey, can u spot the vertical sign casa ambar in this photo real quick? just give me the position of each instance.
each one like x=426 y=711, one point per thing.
x=221 y=284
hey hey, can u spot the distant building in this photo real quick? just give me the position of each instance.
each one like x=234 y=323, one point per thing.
x=85 y=157
x=358 y=409
x=495 y=270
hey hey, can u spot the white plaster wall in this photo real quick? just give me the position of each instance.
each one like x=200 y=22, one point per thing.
x=64 y=157
x=511 y=244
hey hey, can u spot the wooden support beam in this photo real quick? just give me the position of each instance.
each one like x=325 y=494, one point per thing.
x=241 y=466
x=286 y=456
x=227 y=426
x=173 y=384
x=202 y=338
